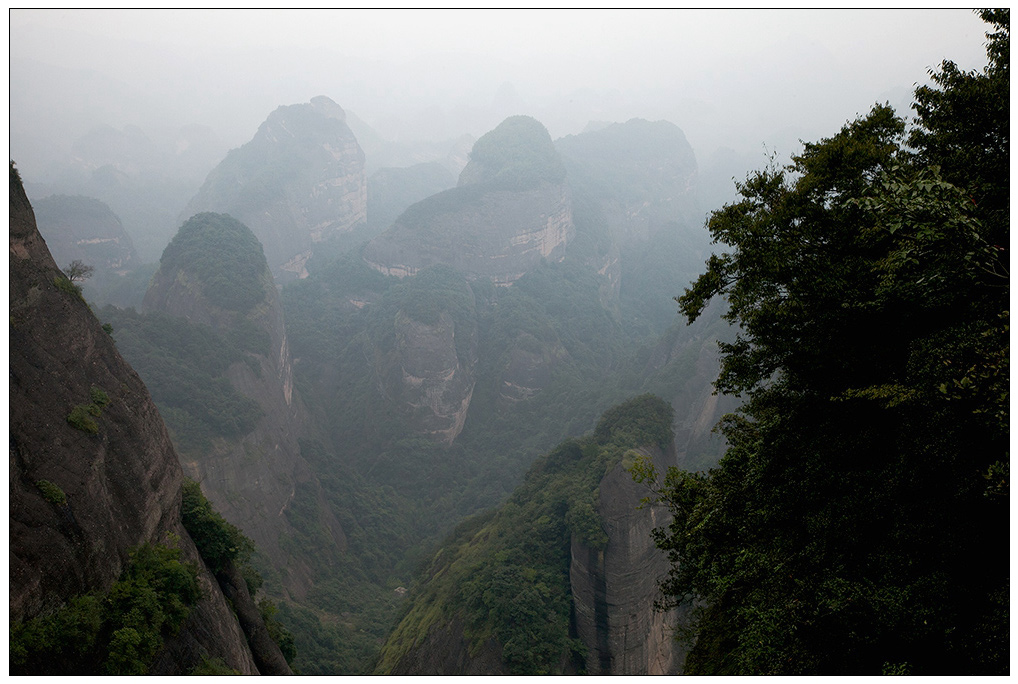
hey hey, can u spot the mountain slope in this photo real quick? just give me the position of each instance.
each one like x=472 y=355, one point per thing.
x=562 y=578
x=92 y=473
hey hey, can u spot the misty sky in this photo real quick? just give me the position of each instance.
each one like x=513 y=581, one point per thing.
x=739 y=79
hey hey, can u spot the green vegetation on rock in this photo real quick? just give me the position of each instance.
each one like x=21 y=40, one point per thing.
x=224 y=256
x=506 y=576
x=52 y=493
x=184 y=366
x=516 y=154
x=219 y=542
x=116 y=633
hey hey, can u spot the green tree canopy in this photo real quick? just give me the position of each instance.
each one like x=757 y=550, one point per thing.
x=224 y=256
x=858 y=522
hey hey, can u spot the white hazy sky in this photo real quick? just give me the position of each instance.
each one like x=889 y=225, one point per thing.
x=734 y=78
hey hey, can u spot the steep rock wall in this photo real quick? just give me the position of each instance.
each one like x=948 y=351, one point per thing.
x=614 y=588
x=121 y=484
x=253 y=479
x=85 y=229
x=432 y=380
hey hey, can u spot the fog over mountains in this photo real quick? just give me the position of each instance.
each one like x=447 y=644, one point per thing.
x=734 y=79
x=509 y=342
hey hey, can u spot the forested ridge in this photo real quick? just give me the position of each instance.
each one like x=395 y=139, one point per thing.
x=858 y=522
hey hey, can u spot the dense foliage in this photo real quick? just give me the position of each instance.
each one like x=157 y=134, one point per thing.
x=518 y=153
x=858 y=522
x=396 y=493
x=225 y=258
x=184 y=366
x=506 y=576
x=219 y=542
x=116 y=633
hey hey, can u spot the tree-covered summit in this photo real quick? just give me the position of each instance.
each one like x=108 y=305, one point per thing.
x=518 y=153
x=224 y=256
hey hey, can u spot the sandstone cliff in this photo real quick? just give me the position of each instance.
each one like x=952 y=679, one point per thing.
x=510 y=210
x=614 y=588
x=80 y=498
x=251 y=477
x=298 y=182
x=85 y=229
x=562 y=578
x=426 y=357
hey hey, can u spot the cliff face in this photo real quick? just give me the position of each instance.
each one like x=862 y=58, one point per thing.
x=85 y=229
x=643 y=173
x=299 y=181
x=435 y=384
x=483 y=233
x=510 y=210
x=251 y=478
x=119 y=476
x=614 y=588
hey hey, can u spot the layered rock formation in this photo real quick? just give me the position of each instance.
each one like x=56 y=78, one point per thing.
x=429 y=369
x=298 y=182
x=85 y=229
x=83 y=495
x=510 y=210
x=251 y=478
x=435 y=383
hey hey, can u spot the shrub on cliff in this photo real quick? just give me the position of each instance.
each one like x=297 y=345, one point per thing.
x=116 y=633
x=218 y=541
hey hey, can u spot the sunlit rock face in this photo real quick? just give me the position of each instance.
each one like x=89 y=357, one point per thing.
x=85 y=229
x=298 y=182
x=510 y=210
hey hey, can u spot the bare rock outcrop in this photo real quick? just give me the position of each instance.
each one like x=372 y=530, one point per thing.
x=298 y=182
x=85 y=229
x=614 y=588
x=83 y=494
x=511 y=209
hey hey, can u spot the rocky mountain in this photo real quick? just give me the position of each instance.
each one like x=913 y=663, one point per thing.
x=643 y=172
x=93 y=482
x=85 y=229
x=640 y=180
x=213 y=280
x=561 y=579
x=297 y=183
x=510 y=210
x=392 y=190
